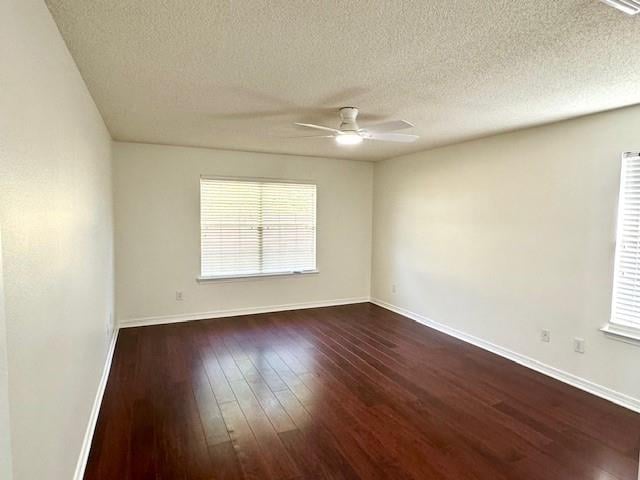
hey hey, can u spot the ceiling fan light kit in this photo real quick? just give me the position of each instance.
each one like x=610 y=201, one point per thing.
x=349 y=139
x=349 y=133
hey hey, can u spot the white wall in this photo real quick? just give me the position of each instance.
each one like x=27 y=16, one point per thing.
x=158 y=230
x=504 y=236
x=55 y=215
x=6 y=471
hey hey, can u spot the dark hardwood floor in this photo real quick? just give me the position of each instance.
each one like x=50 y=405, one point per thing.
x=344 y=392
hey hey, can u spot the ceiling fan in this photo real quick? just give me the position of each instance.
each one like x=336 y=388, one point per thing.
x=349 y=133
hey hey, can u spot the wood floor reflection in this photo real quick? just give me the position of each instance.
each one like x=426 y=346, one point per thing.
x=349 y=392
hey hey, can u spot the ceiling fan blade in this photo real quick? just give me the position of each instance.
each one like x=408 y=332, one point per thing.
x=309 y=136
x=391 y=126
x=392 y=137
x=319 y=127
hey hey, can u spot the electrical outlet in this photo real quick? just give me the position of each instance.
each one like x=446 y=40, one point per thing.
x=179 y=296
x=578 y=345
x=393 y=288
x=545 y=335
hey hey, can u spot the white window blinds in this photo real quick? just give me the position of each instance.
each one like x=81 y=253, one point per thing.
x=254 y=227
x=625 y=310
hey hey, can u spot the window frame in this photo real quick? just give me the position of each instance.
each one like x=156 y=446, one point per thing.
x=613 y=329
x=255 y=276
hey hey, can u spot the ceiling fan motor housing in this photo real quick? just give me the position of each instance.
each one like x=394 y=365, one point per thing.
x=349 y=133
x=348 y=116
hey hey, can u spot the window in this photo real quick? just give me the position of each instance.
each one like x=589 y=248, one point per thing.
x=625 y=308
x=256 y=227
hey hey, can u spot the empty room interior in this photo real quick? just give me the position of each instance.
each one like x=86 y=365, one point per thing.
x=307 y=240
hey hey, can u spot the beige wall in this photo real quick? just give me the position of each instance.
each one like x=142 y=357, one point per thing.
x=55 y=216
x=6 y=472
x=501 y=237
x=158 y=231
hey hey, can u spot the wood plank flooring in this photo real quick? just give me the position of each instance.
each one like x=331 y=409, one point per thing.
x=350 y=392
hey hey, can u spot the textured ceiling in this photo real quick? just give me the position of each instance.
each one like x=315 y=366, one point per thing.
x=237 y=74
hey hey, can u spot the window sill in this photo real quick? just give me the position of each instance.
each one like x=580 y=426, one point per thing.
x=622 y=334
x=253 y=276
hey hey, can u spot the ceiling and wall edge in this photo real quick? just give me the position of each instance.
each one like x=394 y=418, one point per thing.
x=430 y=149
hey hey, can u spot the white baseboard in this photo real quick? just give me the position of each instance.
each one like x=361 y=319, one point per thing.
x=145 y=321
x=95 y=410
x=573 y=380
